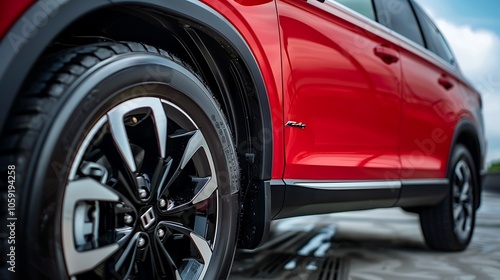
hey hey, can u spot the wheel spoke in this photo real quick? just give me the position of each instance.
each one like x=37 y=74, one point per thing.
x=129 y=253
x=458 y=173
x=457 y=211
x=456 y=193
x=160 y=176
x=78 y=262
x=178 y=141
x=468 y=216
x=120 y=136
x=193 y=141
x=86 y=189
x=163 y=250
x=460 y=221
x=206 y=191
x=203 y=247
x=160 y=121
x=119 y=133
x=199 y=242
x=464 y=195
x=468 y=208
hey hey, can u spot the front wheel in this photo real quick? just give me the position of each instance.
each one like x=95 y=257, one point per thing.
x=130 y=171
x=449 y=225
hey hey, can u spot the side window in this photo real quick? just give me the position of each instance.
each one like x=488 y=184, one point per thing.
x=398 y=15
x=364 y=7
x=434 y=39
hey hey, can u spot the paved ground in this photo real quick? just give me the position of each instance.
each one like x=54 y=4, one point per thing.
x=384 y=244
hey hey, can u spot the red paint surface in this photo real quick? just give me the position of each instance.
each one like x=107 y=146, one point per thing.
x=348 y=97
x=257 y=22
x=11 y=11
x=431 y=112
x=373 y=109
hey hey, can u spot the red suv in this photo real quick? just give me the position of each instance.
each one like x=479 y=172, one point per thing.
x=149 y=139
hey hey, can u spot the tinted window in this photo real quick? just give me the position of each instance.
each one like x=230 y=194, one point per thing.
x=364 y=7
x=434 y=39
x=398 y=15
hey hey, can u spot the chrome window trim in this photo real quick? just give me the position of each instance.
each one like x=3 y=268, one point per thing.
x=378 y=29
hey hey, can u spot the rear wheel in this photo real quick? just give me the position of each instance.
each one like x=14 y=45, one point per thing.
x=132 y=173
x=449 y=225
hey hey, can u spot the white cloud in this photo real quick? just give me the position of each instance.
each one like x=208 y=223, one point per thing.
x=476 y=49
x=478 y=54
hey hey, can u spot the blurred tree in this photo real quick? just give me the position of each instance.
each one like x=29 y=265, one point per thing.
x=495 y=167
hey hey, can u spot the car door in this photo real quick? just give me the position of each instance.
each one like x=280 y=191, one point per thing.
x=431 y=96
x=342 y=99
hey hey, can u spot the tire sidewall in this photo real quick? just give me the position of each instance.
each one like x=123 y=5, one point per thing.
x=105 y=85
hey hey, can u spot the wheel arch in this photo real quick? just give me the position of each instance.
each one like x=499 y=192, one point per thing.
x=37 y=29
x=467 y=135
x=243 y=95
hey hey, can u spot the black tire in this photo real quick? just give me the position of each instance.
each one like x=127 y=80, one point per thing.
x=449 y=225
x=125 y=168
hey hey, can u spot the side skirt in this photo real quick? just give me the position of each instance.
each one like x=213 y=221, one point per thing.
x=301 y=197
x=423 y=192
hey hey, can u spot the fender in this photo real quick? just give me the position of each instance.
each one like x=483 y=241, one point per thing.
x=26 y=40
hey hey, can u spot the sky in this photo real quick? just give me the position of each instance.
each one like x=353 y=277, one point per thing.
x=472 y=28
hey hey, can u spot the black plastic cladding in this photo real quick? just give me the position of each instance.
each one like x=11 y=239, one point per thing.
x=24 y=44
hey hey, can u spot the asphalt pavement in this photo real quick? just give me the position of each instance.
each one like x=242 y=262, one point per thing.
x=385 y=244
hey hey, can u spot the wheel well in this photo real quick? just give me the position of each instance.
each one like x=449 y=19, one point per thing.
x=213 y=58
x=470 y=141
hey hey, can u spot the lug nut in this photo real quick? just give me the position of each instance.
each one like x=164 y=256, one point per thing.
x=162 y=203
x=143 y=193
x=141 y=242
x=166 y=204
x=128 y=219
x=161 y=233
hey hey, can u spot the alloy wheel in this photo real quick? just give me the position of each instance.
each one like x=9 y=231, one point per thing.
x=462 y=199
x=141 y=198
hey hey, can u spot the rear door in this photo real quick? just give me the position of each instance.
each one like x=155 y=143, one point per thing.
x=342 y=100
x=432 y=95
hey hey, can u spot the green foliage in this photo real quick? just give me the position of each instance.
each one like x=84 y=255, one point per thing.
x=495 y=167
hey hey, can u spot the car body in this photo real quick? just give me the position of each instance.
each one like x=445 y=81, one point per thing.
x=331 y=105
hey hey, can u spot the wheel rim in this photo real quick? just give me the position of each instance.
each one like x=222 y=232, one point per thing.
x=142 y=196
x=462 y=199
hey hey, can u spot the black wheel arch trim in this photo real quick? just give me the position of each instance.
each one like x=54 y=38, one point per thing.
x=466 y=126
x=26 y=40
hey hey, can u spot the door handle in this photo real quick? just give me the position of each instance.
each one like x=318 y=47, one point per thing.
x=387 y=54
x=445 y=82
